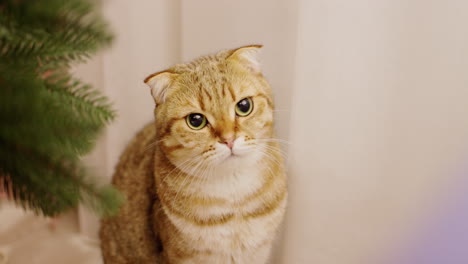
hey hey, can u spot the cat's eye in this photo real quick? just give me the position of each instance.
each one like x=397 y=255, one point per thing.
x=244 y=107
x=196 y=121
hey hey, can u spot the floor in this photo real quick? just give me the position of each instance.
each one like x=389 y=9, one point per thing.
x=27 y=238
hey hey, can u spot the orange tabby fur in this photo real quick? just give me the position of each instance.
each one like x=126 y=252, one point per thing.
x=190 y=199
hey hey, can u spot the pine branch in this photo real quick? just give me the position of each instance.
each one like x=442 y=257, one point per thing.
x=50 y=187
x=81 y=97
x=50 y=119
x=57 y=40
x=70 y=126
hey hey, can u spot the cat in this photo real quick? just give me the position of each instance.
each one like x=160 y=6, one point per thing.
x=211 y=186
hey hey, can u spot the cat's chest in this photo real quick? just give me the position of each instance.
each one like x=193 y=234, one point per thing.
x=236 y=230
x=232 y=185
x=238 y=234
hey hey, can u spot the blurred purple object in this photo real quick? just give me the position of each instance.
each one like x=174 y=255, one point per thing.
x=444 y=237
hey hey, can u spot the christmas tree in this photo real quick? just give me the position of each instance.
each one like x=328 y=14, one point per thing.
x=49 y=119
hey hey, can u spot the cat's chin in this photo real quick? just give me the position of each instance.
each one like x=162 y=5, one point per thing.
x=236 y=161
x=230 y=160
x=233 y=158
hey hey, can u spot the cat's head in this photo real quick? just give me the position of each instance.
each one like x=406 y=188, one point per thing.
x=214 y=112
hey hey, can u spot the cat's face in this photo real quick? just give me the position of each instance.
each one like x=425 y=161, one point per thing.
x=216 y=113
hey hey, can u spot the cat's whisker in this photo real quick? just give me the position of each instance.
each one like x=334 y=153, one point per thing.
x=270 y=170
x=181 y=172
x=150 y=146
x=273 y=140
x=268 y=155
x=270 y=141
x=180 y=166
x=276 y=150
x=205 y=173
x=153 y=144
x=189 y=175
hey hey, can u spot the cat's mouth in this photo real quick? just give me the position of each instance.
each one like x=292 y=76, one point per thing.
x=232 y=155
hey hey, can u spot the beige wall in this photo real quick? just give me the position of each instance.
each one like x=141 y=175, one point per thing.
x=378 y=123
x=371 y=94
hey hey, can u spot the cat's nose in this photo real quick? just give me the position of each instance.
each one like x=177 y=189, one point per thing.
x=228 y=141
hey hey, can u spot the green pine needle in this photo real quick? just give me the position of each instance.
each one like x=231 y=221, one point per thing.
x=49 y=118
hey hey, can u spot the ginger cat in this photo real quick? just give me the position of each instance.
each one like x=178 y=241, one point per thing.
x=211 y=187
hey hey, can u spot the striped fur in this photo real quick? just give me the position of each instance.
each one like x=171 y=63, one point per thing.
x=190 y=200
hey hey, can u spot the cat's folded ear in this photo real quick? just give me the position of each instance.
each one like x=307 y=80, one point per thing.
x=160 y=83
x=247 y=56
